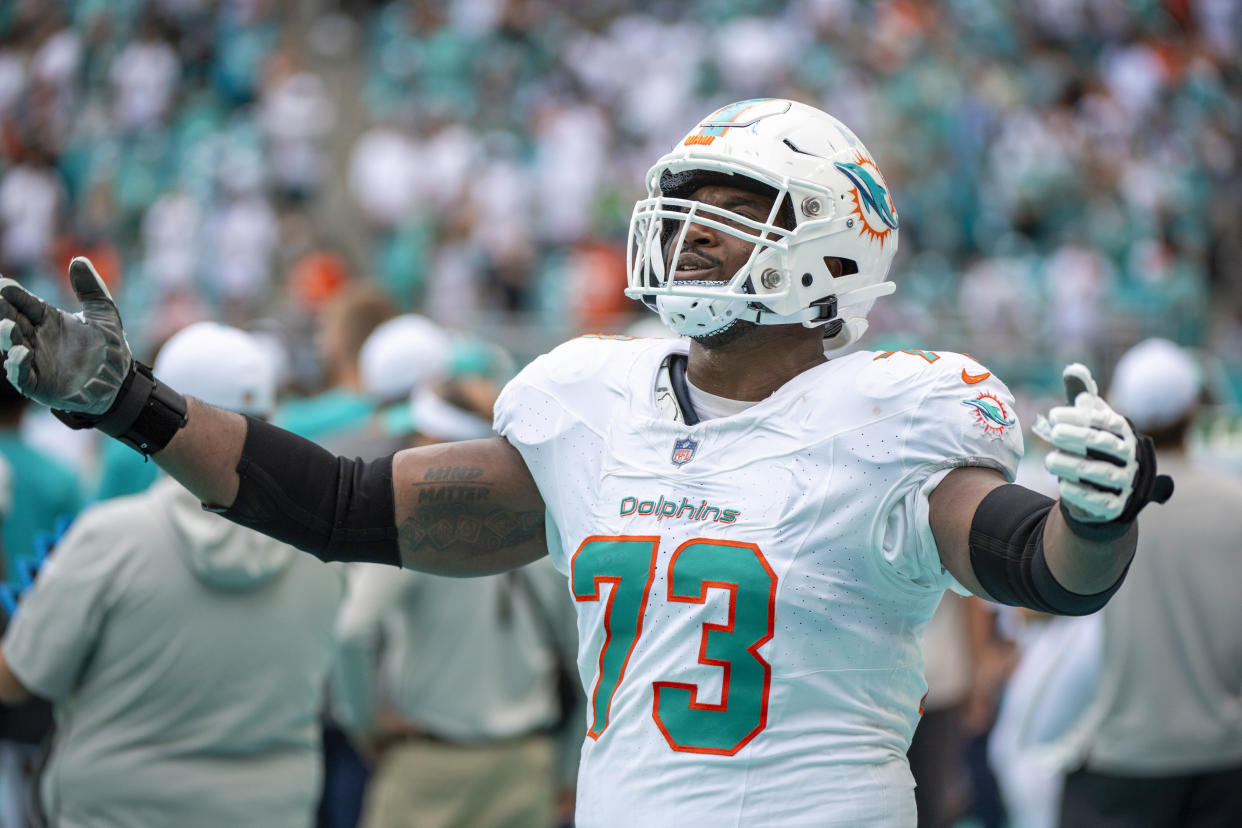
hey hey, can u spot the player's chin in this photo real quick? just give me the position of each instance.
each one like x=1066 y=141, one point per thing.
x=730 y=334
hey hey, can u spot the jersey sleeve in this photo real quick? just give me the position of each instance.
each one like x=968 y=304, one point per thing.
x=552 y=412
x=963 y=416
x=529 y=412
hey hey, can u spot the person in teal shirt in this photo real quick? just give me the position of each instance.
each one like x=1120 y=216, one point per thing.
x=46 y=493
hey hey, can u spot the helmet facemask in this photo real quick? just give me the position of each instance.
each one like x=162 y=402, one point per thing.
x=699 y=308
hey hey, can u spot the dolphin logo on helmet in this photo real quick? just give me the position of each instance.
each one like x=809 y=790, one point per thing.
x=872 y=195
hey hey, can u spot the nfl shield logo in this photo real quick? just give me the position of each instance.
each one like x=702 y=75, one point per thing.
x=683 y=451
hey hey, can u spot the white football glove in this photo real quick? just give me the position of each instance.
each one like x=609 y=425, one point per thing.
x=71 y=362
x=1106 y=471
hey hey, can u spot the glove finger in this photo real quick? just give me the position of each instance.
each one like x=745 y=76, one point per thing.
x=1062 y=465
x=23 y=301
x=9 y=335
x=1106 y=442
x=1095 y=504
x=1105 y=475
x=1078 y=380
x=87 y=285
x=22 y=330
x=1090 y=416
x=19 y=369
x=1103 y=416
x=1042 y=428
x=1099 y=473
x=1082 y=440
x=1070 y=438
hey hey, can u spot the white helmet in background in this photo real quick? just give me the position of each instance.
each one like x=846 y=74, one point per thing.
x=834 y=201
x=402 y=354
x=221 y=366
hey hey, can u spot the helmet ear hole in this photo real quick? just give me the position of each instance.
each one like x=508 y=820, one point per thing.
x=838 y=266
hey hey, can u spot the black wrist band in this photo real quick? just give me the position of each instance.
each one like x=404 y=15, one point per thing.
x=145 y=415
x=1106 y=531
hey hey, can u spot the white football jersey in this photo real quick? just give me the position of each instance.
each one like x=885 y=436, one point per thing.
x=751 y=590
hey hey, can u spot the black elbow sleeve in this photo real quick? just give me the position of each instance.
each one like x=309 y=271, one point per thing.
x=335 y=508
x=1007 y=555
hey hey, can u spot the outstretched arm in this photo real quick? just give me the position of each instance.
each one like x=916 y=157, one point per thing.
x=203 y=454
x=1082 y=566
x=1068 y=556
x=457 y=509
x=454 y=509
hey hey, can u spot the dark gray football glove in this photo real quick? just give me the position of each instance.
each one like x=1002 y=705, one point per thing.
x=72 y=362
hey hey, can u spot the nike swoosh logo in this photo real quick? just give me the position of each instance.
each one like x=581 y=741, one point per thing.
x=971 y=379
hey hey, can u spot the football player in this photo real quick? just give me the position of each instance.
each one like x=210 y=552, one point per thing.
x=755 y=523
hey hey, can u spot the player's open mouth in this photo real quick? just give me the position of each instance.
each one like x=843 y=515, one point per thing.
x=695 y=268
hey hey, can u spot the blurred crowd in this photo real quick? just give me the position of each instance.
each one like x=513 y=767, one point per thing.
x=1067 y=171
x=1068 y=174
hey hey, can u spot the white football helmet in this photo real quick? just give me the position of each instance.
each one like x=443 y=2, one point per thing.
x=822 y=175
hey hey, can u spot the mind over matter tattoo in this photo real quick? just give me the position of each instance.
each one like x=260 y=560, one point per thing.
x=454 y=508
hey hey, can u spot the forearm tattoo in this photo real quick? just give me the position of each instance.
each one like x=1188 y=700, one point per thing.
x=455 y=511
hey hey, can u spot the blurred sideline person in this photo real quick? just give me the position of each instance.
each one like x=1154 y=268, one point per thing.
x=49 y=495
x=185 y=656
x=401 y=356
x=1163 y=743
x=1041 y=711
x=450 y=685
x=49 y=490
x=397 y=356
x=965 y=667
x=13 y=758
x=342 y=327
x=754 y=549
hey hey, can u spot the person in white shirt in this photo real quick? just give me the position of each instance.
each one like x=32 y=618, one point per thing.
x=185 y=656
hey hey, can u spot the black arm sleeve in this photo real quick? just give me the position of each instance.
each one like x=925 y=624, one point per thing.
x=295 y=491
x=1007 y=555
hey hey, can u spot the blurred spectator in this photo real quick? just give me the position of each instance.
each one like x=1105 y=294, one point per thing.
x=458 y=709
x=382 y=171
x=297 y=118
x=32 y=198
x=966 y=664
x=187 y=661
x=1078 y=280
x=1041 y=712
x=398 y=357
x=49 y=492
x=464 y=150
x=171 y=234
x=461 y=690
x=144 y=79
x=242 y=231
x=342 y=328
x=402 y=356
x=1163 y=739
